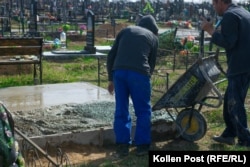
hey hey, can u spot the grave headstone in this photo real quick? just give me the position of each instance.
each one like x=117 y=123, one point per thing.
x=90 y=37
x=33 y=18
x=113 y=24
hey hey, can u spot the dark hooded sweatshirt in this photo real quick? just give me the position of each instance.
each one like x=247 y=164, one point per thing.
x=135 y=48
x=235 y=38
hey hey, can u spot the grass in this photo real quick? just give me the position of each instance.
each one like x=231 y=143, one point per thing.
x=57 y=72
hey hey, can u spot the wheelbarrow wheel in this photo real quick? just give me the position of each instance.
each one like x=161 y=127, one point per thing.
x=191 y=124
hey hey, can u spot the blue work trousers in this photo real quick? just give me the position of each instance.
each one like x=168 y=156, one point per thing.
x=234 y=111
x=137 y=86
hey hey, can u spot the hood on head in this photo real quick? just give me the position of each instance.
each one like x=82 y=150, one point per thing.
x=149 y=23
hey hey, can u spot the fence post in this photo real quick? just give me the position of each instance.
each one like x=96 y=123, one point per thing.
x=174 y=59
x=167 y=80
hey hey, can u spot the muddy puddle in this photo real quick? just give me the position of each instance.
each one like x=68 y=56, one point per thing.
x=72 y=118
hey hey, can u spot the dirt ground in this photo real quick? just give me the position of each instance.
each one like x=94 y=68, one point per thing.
x=77 y=155
x=98 y=155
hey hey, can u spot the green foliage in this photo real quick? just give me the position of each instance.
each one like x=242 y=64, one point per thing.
x=195 y=48
x=148 y=9
x=16 y=80
x=66 y=28
x=167 y=39
x=49 y=38
x=107 y=42
x=189 y=44
x=57 y=72
x=214 y=117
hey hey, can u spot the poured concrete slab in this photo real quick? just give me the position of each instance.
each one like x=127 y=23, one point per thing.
x=70 y=54
x=40 y=96
x=27 y=98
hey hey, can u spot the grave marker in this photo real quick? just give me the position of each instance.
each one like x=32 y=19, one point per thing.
x=90 y=37
x=33 y=19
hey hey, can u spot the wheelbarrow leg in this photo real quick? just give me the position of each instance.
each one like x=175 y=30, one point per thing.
x=191 y=124
x=187 y=125
x=170 y=114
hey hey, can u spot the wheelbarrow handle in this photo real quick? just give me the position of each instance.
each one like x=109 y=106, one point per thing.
x=213 y=87
x=201 y=54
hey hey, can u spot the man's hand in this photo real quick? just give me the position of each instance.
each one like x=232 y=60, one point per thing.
x=207 y=26
x=111 y=87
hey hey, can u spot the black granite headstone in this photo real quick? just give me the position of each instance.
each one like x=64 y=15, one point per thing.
x=33 y=18
x=90 y=37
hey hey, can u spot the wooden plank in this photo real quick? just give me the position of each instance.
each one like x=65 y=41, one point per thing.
x=10 y=62
x=20 y=51
x=21 y=41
